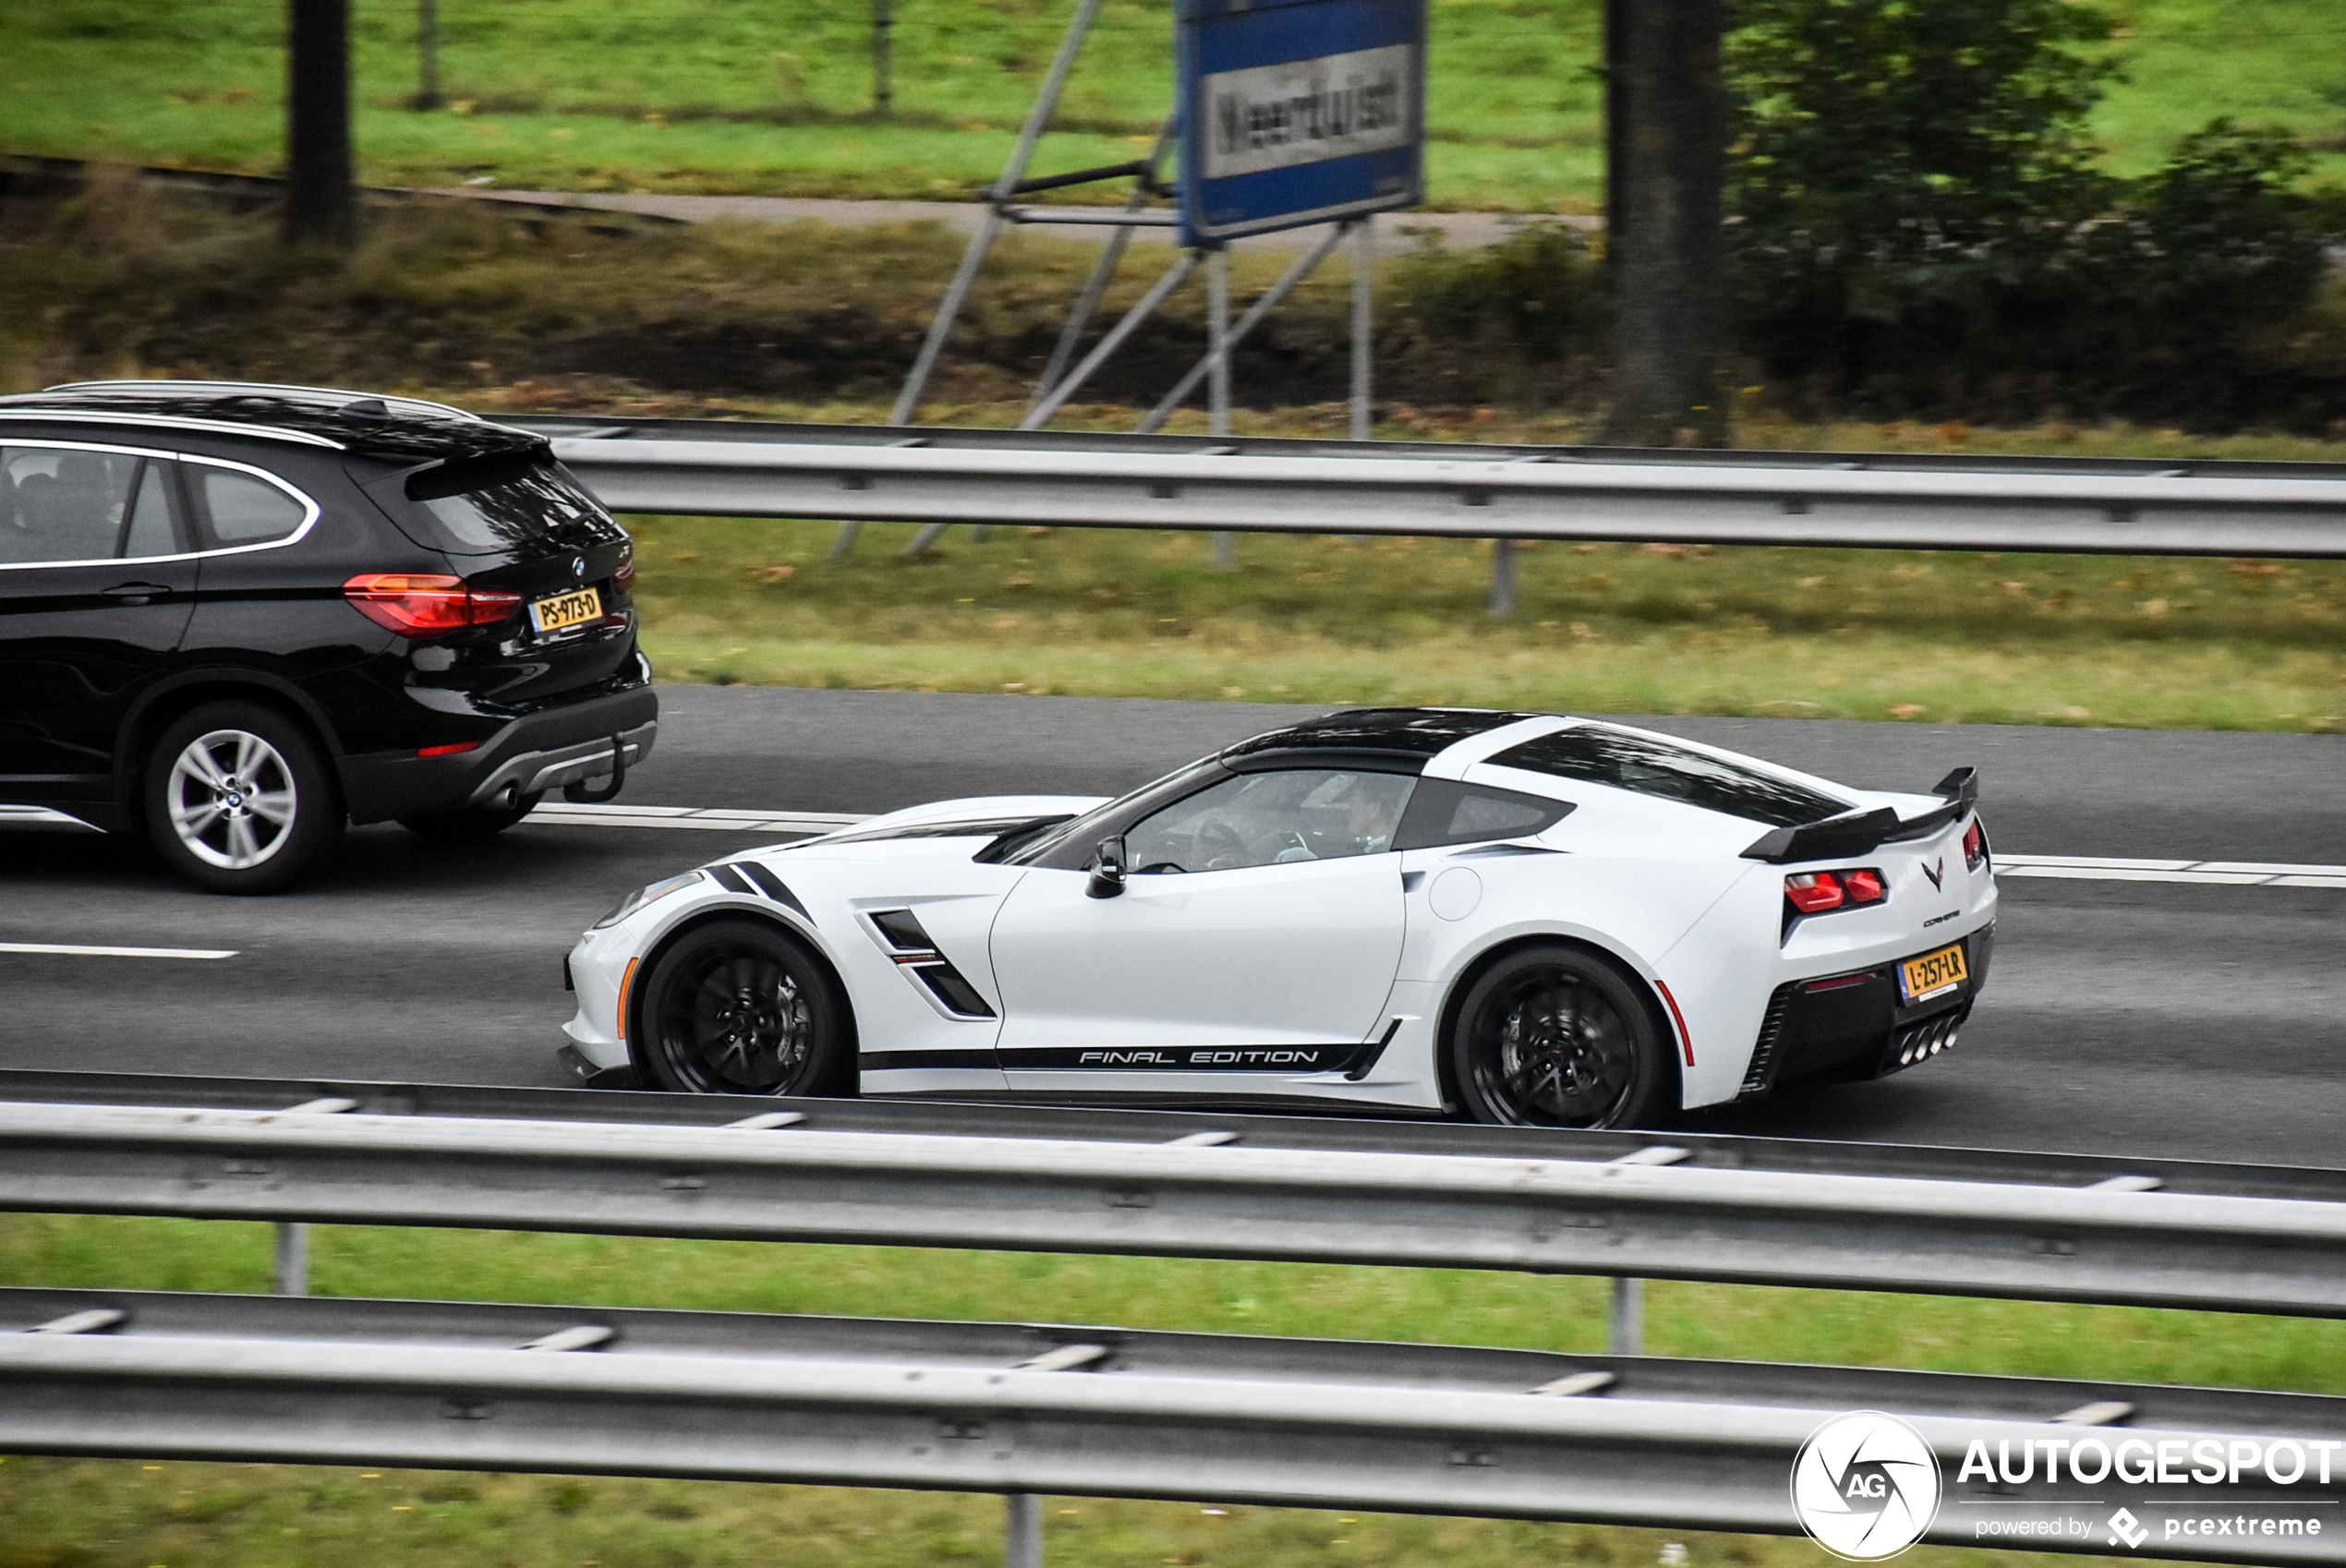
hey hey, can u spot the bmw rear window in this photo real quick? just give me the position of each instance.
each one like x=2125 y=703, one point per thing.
x=495 y=505
x=1594 y=754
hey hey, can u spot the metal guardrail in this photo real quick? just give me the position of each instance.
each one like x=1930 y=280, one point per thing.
x=1033 y=1408
x=941 y=476
x=1102 y=1125
x=1634 y=1215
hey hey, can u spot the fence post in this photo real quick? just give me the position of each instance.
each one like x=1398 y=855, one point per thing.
x=883 y=58
x=1021 y=1530
x=1502 y=577
x=1363 y=252
x=293 y=1258
x=427 y=54
x=1217 y=380
x=1628 y=1317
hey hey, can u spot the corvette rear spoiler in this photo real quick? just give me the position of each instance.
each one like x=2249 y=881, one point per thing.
x=1855 y=833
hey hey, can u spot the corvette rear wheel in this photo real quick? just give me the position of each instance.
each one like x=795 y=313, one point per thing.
x=1557 y=1036
x=739 y=1007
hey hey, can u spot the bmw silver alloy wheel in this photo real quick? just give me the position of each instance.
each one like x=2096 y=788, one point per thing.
x=231 y=799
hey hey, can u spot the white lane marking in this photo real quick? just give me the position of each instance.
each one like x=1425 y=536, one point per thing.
x=2097 y=862
x=2129 y=873
x=2223 y=874
x=2077 y=868
x=71 y=950
x=568 y=816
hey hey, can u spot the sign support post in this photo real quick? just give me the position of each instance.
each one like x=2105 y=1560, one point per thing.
x=1289 y=114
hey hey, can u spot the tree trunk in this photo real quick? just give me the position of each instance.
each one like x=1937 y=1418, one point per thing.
x=1666 y=158
x=321 y=206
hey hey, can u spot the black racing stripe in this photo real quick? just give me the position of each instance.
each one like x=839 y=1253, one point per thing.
x=727 y=878
x=1190 y=1058
x=885 y=1061
x=768 y=884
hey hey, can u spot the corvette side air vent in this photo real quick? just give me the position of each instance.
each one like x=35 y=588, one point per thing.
x=916 y=953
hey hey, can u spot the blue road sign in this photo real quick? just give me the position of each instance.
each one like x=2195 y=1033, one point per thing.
x=1299 y=111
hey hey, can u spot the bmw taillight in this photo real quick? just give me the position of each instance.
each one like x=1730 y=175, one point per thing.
x=625 y=578
x=424 y=605
x=1819 y=892
x=1975 y=846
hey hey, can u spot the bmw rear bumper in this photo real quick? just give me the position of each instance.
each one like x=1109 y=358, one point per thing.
x=539 y=751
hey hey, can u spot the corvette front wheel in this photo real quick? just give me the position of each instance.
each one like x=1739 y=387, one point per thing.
x=1558 y=1036
x=739 y=1007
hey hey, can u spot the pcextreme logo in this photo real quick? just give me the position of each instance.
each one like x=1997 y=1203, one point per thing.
x=1865 y=1486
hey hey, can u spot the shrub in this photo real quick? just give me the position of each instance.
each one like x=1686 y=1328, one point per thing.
x=1919 y=228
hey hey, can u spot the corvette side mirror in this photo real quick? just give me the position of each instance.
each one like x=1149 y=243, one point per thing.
x=1107 y=868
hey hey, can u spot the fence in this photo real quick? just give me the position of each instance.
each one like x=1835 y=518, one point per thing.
x=998 y=1407
x=985 y=477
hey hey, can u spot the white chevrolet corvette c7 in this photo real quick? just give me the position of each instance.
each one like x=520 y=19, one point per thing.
x=1524 y=918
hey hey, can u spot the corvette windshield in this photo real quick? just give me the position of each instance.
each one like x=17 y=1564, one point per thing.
x=1083 y=829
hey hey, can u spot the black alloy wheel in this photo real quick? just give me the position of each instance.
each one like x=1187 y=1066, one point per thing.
x=238 y=799
x=1558 y=1036
x=472 y=823
x=740 y=1007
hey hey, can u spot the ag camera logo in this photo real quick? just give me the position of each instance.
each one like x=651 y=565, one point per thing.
x=1865 y=1486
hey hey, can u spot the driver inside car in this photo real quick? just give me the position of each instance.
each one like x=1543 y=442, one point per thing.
x=1272 y=818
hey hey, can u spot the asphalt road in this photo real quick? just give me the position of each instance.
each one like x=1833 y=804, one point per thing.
x=2191 y=1022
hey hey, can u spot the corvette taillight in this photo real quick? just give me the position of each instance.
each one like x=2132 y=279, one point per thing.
x=1814 y=892
x=1974 y=847
x=1817 y=892
x=424 y=605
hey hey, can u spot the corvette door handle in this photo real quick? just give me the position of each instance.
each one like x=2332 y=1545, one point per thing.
x=135 y=593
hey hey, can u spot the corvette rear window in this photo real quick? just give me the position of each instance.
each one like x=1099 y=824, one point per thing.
x=1593 y=753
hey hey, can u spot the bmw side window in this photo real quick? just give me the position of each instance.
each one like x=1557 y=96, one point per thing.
x=244 y=508
x=147 y=531
x=1271 y=819
x=57 y=505
x=1444 y=812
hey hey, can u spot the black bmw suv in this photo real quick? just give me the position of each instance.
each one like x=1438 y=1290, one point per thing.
x=234 y=618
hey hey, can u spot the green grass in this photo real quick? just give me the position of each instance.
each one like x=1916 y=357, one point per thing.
x=701 y=95
x=63 y=1513
x=1603 y=628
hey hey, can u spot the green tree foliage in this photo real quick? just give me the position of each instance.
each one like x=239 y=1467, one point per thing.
x=1919 y=223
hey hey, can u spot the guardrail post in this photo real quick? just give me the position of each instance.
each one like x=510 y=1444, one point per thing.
x=1502 y=577
x=1628 y=1317
x=1021 y=1530
x=293 y=1258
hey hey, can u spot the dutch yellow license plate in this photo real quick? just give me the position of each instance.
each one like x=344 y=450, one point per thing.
x=561 y=611
x=1932 y=974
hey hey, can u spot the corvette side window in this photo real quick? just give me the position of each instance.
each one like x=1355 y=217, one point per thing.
x=1445 y=811
x=1310 y=813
